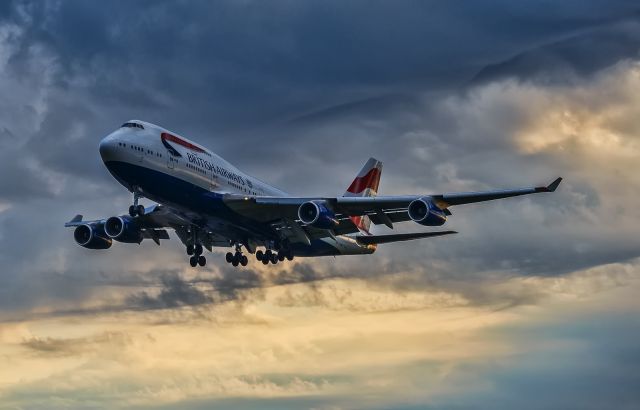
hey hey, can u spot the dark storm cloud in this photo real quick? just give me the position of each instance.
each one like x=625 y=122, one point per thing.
x=250 y=64
x=577 y=56
x=253 y=63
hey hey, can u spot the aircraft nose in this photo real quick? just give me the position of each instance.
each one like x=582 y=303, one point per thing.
x=107 y=148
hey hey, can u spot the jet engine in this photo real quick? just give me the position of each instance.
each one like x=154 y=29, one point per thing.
x=318 y=215
x=123 y=229
x=425 y=212
x=91 y=236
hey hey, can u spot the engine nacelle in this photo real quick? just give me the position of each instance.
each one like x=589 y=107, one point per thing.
x=425 y=212
x=91 y=237
x=123 y=229
x=318 y=215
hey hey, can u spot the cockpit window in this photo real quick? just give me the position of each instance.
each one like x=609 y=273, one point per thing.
x=132 y=125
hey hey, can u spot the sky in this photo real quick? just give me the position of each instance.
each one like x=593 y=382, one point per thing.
x=532 y=305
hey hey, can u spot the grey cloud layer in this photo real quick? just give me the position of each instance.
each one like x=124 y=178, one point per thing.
x=320 y=85
x=436 y=90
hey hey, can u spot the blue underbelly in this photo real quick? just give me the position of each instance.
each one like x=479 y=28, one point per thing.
x=172 y=191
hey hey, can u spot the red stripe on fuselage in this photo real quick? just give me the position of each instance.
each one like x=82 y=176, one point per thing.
x=370 y=180
x=169 y=137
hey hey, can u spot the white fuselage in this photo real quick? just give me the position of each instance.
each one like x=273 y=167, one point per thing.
x=140 y=156
x=205 y=169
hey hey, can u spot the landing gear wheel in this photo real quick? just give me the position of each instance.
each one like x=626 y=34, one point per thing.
x=289 y=256
x=198 y=250
x=280 y=256
x=265 y=261
x=229 y=257
x=274 y=258
x=189 y=250
x=135 y=209
x=202 y=260
x=193 y=261
x=237 y=257
x=244 y=260
x=259 y=255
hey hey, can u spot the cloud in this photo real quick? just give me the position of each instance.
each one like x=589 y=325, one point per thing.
x=482 y=109
x=227 y=284
x=77 y=346
x=576 y=56
x=451 y=98
x=175 y=293
x=359 y=346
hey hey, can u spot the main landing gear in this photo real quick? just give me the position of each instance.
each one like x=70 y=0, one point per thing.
x=196 y=255
x=135 y=209
x=195 y=251
x=237 y=258
x=273 y=257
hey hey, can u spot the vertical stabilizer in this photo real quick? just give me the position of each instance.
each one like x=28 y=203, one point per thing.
x=365 y=184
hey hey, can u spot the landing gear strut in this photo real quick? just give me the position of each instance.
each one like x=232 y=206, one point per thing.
x=196 y=250
x=136 y=209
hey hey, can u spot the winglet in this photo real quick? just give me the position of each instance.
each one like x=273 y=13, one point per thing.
x=551 y=187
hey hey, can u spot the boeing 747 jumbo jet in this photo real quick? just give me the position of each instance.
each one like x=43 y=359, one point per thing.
x=208 y=202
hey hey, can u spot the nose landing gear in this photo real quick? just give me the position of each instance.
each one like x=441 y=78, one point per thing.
x=135 y=209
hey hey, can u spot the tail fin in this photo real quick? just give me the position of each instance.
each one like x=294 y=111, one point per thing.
x=365 y=184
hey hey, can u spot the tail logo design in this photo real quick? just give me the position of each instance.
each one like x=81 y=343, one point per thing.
x=370 y=180
x=365 y=184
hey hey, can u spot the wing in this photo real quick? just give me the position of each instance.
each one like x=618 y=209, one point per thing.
x=151 y=223
x=282 y=212
x=189 y=227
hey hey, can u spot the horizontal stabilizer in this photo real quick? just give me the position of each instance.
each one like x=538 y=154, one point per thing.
x=376 y=239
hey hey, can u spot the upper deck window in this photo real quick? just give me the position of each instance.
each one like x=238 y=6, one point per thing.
x=132 y=125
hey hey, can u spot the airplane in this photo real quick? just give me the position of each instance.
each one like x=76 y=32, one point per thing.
x=210 y=203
